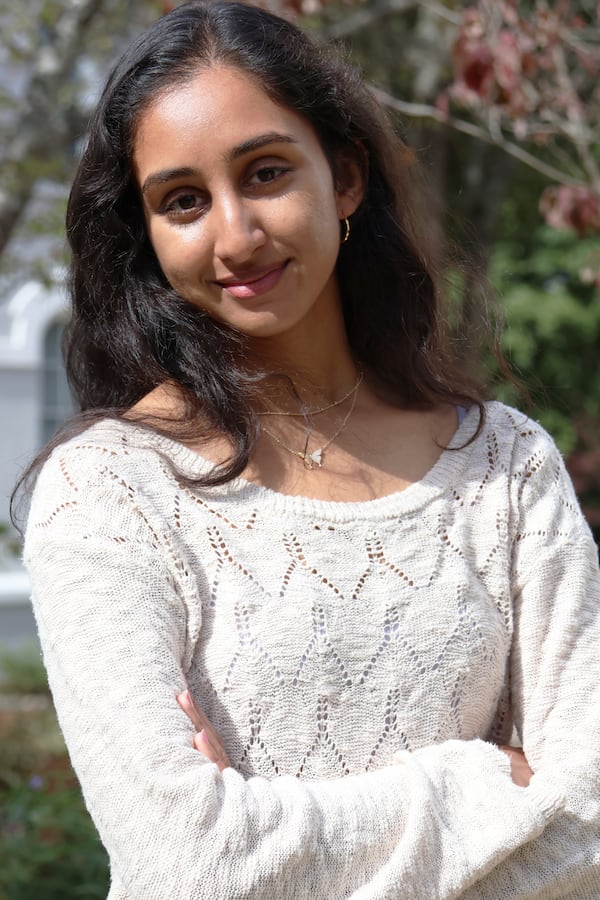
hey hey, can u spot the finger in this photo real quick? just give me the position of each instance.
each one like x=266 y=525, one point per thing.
x=216 y=753
x=202 y=744
x=194 y=714
x=202 y=725
x=211 y=739
x=520 y=770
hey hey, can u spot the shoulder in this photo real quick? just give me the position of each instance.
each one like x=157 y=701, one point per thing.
x=108 y=444
x=110 y=468
x=164 y=402
x=516 y=453
x=525 y=446
x=509 y=421
x=543 y=497
x=121 y=470
x=503 y=443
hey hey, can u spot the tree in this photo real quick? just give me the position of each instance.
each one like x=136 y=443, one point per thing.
x=522 y=77
x=532 y=83
x=502 y=102
x=500 y=99
x=54 y=53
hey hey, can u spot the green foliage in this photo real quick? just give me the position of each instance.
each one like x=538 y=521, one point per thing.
x=22 y=671
x=30 y=737
x=553 y=331
x=49 y=848
x=29 y=732
x=48 y=845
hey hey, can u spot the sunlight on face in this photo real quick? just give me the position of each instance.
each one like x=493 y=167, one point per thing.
x=240 y=203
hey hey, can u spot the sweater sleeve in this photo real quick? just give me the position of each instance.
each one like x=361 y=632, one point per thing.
x=555 y=680
x=117 y=625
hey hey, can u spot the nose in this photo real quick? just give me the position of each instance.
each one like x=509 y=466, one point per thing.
x=238 y=231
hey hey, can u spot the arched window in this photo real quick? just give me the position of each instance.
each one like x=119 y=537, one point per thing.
x=57 y=402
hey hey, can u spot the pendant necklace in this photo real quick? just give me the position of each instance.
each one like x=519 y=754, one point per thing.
x=315 y=459
x=307 y=413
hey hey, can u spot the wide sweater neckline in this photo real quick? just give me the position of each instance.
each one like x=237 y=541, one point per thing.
x=442 y=476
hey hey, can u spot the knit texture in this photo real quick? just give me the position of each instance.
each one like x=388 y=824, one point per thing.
x=358 y=659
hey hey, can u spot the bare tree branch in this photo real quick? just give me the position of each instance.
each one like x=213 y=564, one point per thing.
x=578 y=132
x=442 y=11
x=370 y=15
x=12 y=204
x=37 y=135
x=365 y=17
x=426 y=111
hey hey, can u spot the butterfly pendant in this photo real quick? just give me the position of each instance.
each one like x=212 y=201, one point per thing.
x=313 y=460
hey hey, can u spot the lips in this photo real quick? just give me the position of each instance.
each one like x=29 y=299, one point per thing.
x=254 y=283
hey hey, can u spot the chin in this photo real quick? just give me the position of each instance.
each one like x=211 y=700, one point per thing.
x=264 y=330
x=261 y=325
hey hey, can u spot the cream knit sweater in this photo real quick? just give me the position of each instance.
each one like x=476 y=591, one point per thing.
x=355 y=657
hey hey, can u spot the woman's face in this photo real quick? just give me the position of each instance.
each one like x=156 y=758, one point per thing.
x=240 y=203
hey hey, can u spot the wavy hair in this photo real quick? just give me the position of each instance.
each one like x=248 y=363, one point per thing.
x=130 y=331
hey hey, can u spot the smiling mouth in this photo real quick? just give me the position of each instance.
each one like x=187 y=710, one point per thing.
x=254 y=285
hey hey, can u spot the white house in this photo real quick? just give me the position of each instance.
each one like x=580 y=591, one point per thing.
x=34 y=401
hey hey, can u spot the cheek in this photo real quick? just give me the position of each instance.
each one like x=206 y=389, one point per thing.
x=179 y=255
x=310 y=221
x=325 y=236
x=325 y=220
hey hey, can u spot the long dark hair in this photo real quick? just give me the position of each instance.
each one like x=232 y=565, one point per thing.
x=130 y=331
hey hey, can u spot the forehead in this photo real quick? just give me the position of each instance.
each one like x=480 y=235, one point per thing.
x=215 y=110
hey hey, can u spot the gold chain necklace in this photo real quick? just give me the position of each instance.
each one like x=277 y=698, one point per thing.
x=315 y=460
x=307 y=413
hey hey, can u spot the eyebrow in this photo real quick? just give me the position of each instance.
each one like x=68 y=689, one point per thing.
x=249 y=146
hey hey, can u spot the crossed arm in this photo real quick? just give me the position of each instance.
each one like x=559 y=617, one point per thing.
x=209 y=743
x=447 y=820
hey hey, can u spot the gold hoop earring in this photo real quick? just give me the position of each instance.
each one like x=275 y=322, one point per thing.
x=346 y=233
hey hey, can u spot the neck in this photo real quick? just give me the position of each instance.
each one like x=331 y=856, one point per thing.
x=308 y=382
x=315 y=363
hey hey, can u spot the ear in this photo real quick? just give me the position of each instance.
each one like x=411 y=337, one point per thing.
x=349 y=175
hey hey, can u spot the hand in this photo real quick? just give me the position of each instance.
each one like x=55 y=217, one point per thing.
x=206 y=739
x=520 y=771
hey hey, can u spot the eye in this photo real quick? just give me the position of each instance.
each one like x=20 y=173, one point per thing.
x=184 y=205
x=267 y=174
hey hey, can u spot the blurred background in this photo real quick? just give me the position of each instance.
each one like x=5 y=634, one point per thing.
x=500 y=102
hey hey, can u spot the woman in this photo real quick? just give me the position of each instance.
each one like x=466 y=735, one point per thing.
x=293 y=508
